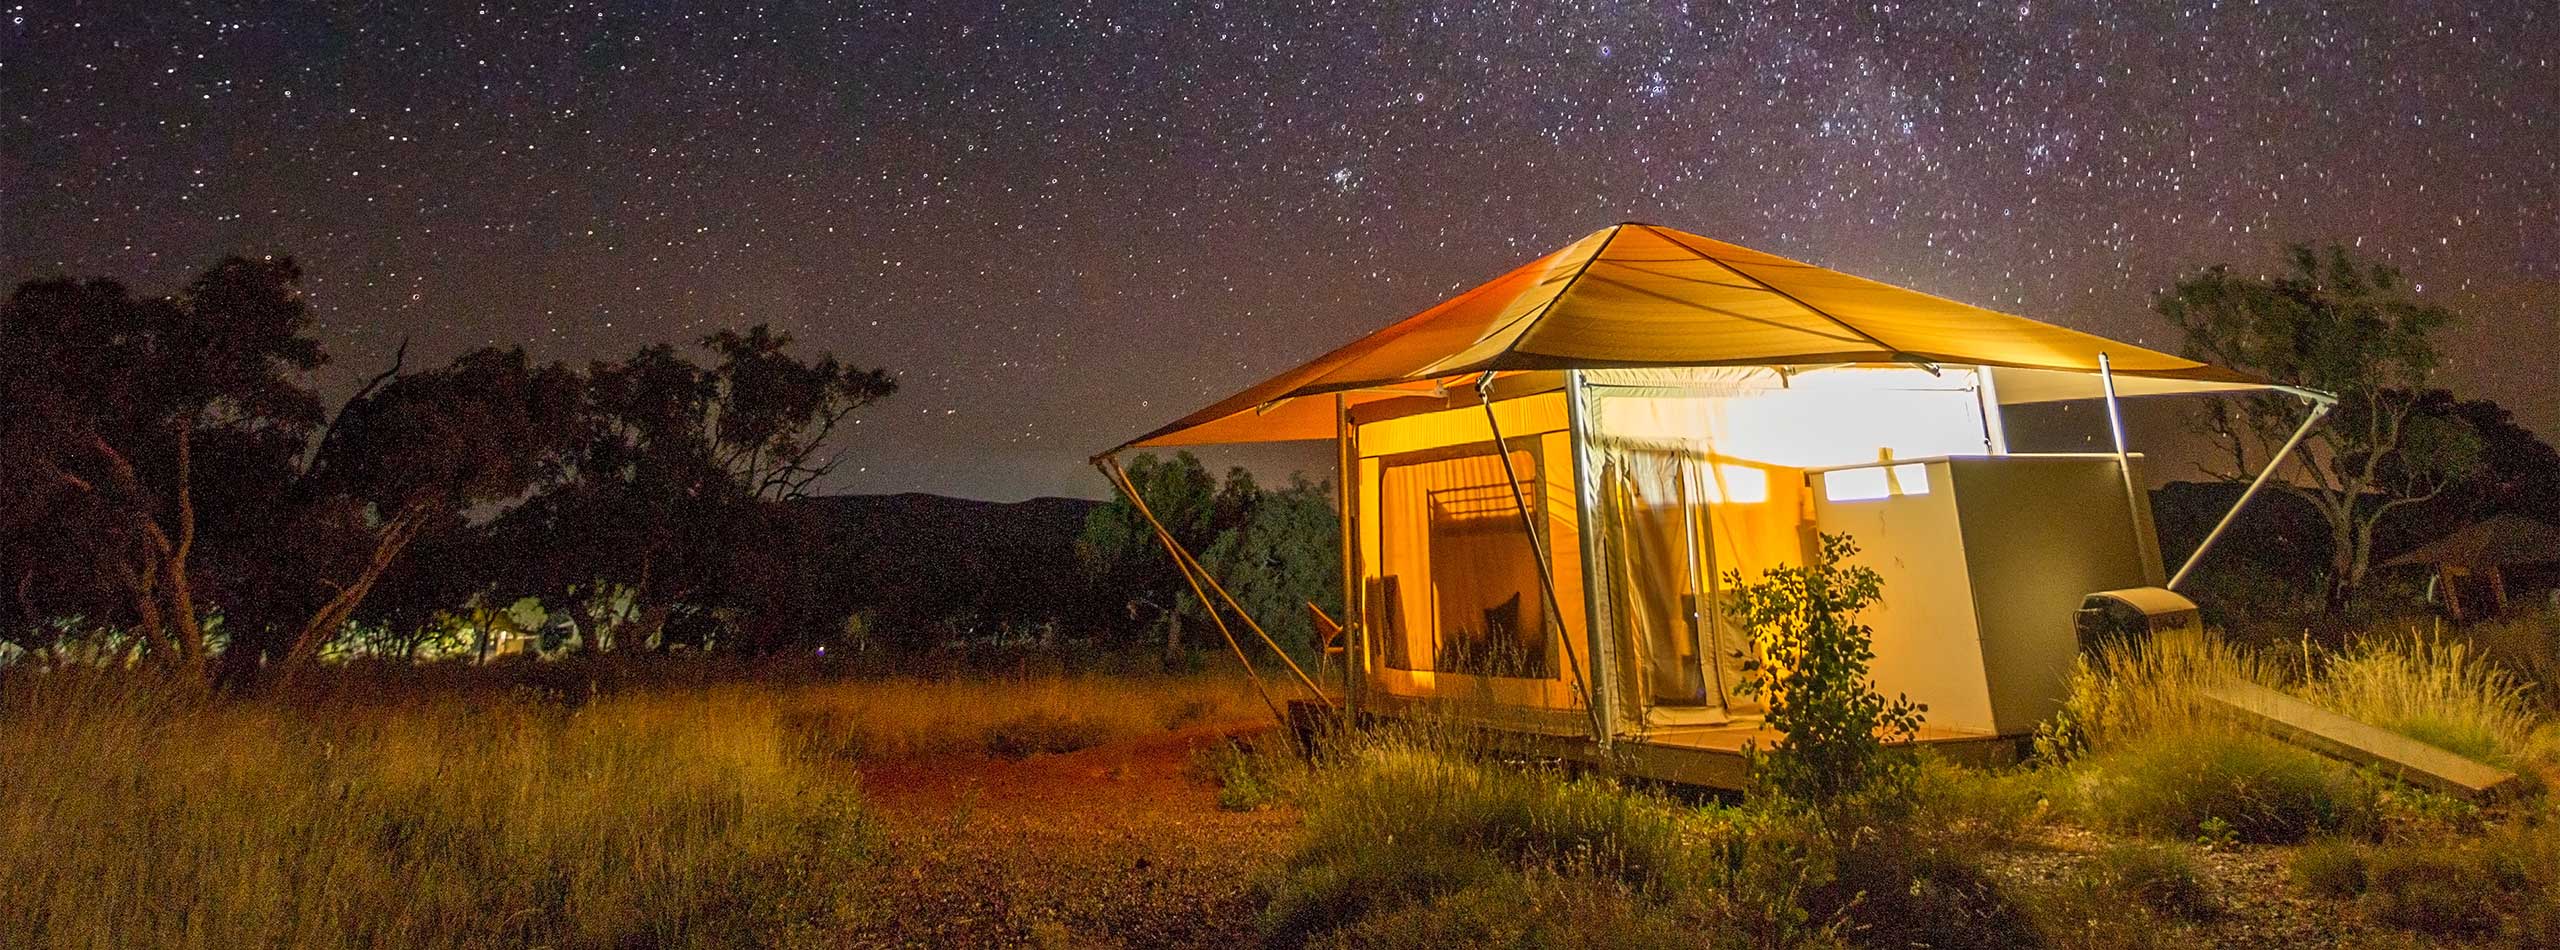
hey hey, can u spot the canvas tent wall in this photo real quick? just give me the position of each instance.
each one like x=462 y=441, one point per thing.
x=1667 y=409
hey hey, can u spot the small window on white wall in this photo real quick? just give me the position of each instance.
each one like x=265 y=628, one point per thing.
x=1736 y=484
x=1882 y=481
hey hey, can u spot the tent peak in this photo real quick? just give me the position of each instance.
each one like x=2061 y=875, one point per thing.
x=1637 y=294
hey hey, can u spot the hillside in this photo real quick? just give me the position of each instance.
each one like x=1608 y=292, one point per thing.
x=913 y=560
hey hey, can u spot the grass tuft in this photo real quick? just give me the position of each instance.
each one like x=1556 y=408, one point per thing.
x=2431 y=891
x=2436 y=691
x=2179 y=785
x=2161 y=877
x=2331 y=868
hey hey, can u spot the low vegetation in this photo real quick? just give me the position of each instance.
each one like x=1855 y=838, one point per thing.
x=2434 y=690
x=1011 y=717
x=145 y=812
x=134 y=814
x=1421 y=837
x=683 y=807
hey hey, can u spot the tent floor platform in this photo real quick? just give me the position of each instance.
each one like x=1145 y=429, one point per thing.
x=1712 y=757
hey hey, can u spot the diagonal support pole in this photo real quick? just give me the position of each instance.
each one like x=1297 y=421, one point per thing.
x=1120 y=479
x=2319 y=409
x=1193 y=566
x=1537 y=545
x=1184 y=555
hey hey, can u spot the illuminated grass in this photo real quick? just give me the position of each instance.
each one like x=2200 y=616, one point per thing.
x=132 y=816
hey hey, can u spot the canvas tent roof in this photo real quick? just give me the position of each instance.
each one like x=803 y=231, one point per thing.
x=2497 y=542
x=1634 y=295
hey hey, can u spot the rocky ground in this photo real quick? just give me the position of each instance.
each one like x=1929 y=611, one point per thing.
x=2257 y=906
x=1118 y=846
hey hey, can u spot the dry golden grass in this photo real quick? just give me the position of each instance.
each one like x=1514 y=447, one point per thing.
x=137 y=814
x=904 y=717
x=147 y=817
x=2122 y=692
x=2439 y=691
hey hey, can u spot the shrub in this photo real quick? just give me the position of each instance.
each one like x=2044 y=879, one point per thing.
x=1043 y=731
x=2330 y=868
x=2170 y=784
x=2435 y=691
x=2161 y=877
x=2432 y=891
x=1833 y=724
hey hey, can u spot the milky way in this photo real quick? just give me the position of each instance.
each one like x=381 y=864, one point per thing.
x=1065 y=224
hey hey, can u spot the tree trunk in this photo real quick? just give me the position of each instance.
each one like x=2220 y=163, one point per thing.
x=189 y=628
x=332 y=616
x=1172 y=637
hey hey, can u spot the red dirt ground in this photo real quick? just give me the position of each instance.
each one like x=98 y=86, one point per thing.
x=1122 y=845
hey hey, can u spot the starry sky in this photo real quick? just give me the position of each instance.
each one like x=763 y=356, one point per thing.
x=1065 y=223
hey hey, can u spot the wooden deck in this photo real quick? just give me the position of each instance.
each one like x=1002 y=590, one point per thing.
x=1711 y=756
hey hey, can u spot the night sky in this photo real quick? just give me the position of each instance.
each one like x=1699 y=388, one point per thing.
x=1064 y=225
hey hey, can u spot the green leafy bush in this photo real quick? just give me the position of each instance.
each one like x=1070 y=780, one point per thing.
x=1812 y=672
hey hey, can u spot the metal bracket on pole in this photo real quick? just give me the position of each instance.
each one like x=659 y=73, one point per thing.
x=1537 y=544
x=2320 y=406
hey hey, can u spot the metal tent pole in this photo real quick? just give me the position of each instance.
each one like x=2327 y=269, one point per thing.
x=2319 y=409
x=1355 y=607
x=1537 y=546
x=2124 y=465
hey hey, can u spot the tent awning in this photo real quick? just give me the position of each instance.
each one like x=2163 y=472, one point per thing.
x=1634 y=295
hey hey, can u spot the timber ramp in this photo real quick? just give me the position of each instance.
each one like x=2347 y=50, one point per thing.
x=2299 y=722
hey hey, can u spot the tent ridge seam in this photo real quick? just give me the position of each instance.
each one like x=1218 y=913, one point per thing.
x=1791 y=298
x=1561 y=292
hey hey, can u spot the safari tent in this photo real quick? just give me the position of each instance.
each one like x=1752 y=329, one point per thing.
x=1546 y=480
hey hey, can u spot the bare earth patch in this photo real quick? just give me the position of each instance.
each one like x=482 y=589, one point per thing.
x=1121 y=845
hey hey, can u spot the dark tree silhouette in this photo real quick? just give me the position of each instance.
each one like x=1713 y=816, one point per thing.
x=111 y=397
x=675 y=495
x=2343 y=326
x=1276 y=551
